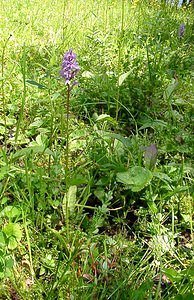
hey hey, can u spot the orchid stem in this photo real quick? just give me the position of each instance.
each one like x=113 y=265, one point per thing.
x=67 y=132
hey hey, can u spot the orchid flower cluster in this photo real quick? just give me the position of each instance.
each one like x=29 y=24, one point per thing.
x=69 y=68
x=181 y=30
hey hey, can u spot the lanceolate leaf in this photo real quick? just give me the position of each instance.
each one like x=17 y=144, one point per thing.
x=123 y=77
x=36 y=84
x=69 y=200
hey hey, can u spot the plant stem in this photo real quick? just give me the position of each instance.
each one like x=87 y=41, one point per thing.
x=23 y=70
x=29 y=246
x=2 y=89
x=67 y=157
x=67 y=129
x=120 y=44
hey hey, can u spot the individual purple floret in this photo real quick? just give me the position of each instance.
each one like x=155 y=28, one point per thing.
x=150 y=156
x=70 y=67
x=181 y=30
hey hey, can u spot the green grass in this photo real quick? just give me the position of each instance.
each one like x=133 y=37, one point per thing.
x=87 y=210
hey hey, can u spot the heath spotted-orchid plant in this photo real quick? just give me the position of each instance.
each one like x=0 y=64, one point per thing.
x=69 y=70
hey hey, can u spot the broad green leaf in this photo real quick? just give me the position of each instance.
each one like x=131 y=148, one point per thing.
x=100 y=193
x=12 y=244
x=123 y=77
x=32 y=150
x=60 y=238
x=13 y=230
x=9 y=121
x=154 y=124
x=79 y=179
x=105 y=117
x=37 y=124
x=21 y=140
x=88 y=74
x=169 y=90
x=55 y=96
x=152 y=206
x=2 y=129
x=4 y=200
x=162 y=176
x=2 y=240
x=135 y=178
x=10 y=212
x=2 y=266
x=180 y=102
x=189 y=272
x=124 y=140
x=187 y=218
x=4 y=172
x=41 y=139
x=23 y=152
x=36 y=84
x=150 y=156
x=69 y=200
x=172 y=274
x=9 y=262
x=41 y=149
x=188 y=296
x=42 y=271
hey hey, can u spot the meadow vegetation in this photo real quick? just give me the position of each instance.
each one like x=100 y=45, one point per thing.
x=96 y=191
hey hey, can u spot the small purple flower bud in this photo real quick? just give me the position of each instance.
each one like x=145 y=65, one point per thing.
x=150 y=156
x=181 y=30
x=69 y=68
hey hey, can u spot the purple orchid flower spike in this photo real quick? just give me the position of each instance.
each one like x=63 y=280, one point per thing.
x=181 y=30
x=69 y=68
x=150 y=156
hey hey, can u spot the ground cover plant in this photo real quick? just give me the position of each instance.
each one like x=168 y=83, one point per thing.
x=96 y=150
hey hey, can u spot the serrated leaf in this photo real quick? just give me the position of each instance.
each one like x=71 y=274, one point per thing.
x=135 y=178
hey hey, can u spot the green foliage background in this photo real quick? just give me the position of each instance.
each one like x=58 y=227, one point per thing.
x=115 y=223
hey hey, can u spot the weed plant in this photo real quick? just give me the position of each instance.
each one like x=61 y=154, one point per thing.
x=96 y=181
